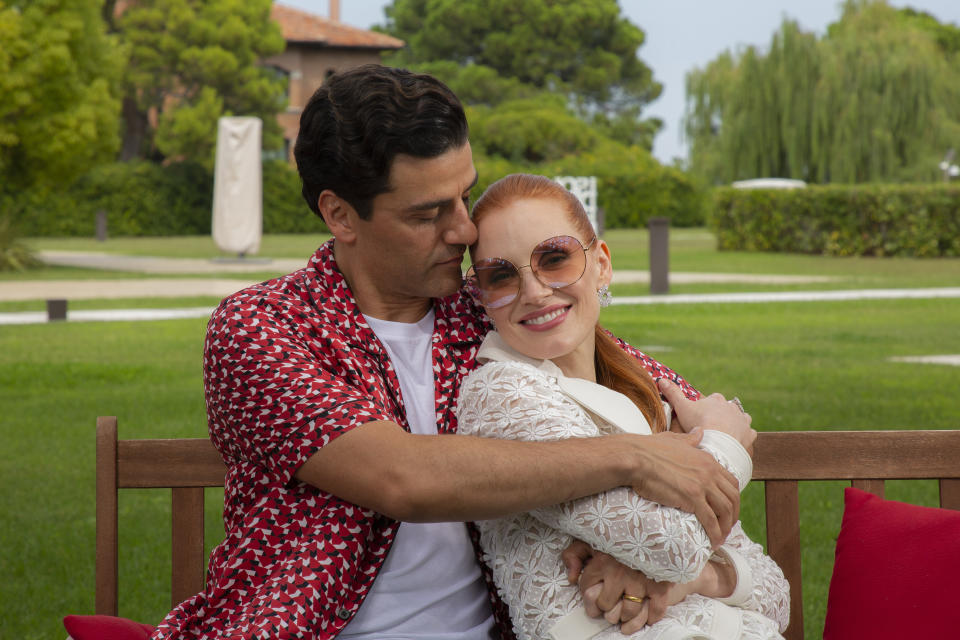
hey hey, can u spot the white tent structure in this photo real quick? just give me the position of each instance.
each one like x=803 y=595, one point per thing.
x=769 y=183
x=238 y=186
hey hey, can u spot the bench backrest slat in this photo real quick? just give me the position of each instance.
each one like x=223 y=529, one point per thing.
x=781 y=459
x=187 y=541
x=782 y=499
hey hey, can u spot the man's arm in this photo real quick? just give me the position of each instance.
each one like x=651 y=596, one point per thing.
x=422 y=478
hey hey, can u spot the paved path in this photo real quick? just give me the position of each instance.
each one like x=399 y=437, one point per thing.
x=220 y=287
x=147 y=264
x=792 y=296
x=112 y=289
x=33 y=317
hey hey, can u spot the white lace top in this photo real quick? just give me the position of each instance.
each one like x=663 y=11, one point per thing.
x=522 y=399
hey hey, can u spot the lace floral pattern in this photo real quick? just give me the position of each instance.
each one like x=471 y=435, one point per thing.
x=517 y=401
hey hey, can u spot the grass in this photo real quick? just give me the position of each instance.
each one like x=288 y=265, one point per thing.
x=279 y=245
x=797 y=365
x=812 y=366
x=115 y=303
x=690 y=250
x=78 y=273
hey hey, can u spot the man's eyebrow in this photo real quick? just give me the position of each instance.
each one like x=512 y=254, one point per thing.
x=433 y=204
x=476 y=179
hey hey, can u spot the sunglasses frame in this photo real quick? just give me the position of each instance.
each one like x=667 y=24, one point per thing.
x=473 y=288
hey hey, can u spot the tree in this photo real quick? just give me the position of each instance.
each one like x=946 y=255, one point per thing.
x=59 y=91
x=877 y=98
x=750 y=114
x=191 y=62
x=583 y=49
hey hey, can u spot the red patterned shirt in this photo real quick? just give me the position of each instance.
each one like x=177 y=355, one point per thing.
x=289 y=365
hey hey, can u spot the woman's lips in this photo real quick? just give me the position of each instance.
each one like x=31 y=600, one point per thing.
x=546 y=318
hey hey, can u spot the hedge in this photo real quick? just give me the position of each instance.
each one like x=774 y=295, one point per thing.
x=146 y=199
x=631 y=187
x=840 y=220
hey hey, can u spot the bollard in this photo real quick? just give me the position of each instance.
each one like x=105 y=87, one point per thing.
x=56 y=310
x=659 y=255
x=101 y=224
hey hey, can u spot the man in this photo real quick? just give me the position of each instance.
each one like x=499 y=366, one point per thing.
x=331 y=395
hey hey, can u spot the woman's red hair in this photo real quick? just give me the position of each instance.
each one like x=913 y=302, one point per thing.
x=615 y=368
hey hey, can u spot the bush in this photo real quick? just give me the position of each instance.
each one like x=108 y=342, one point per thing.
x=632 y=186
x=140 y=199
x=864 y=220
x=14 y=255
x=146 y=199
x=284 y=209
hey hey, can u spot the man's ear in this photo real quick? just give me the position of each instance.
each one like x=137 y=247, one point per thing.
x=339 y=216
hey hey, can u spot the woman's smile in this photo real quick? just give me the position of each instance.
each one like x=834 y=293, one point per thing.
x=545 y=318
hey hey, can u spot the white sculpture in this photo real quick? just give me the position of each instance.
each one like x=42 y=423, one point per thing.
x=238 y=186
x=585 y=188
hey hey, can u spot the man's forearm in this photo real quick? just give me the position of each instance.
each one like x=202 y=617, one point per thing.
x=452 y=477
x=421 y=478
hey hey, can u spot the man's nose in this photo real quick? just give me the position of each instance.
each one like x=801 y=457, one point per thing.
x=462 y=230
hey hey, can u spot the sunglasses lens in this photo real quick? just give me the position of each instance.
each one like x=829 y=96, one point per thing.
x=497 y=282
x=558 y=262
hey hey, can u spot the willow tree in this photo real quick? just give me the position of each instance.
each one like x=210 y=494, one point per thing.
x=877 y=98
x=750 y=113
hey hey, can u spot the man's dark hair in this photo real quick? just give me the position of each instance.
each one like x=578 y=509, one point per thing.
x=359 y=120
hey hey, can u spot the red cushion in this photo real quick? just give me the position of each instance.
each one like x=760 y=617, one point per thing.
x=105 y=628
x=896 y=571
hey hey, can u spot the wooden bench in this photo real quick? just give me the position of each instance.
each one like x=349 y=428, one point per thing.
x=781 y=461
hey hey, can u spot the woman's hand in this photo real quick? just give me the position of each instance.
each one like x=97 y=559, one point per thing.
x=604 y=582
x=712 y=412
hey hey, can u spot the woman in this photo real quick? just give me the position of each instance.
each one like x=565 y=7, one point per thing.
x=550 y=372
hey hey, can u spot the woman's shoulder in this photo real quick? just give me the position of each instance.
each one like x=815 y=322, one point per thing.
x=509 y=370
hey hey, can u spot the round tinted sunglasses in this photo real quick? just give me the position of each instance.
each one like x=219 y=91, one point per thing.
x=556 y=262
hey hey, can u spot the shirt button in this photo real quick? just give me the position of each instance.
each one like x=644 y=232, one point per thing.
x=343 y=614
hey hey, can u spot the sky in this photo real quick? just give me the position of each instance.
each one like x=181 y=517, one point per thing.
x=682 y=35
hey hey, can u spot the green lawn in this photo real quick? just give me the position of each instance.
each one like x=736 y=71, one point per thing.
x=690 y=250
x=797 y=365
x=278 y=245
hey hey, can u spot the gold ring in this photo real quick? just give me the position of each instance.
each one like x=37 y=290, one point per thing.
x=633 y=598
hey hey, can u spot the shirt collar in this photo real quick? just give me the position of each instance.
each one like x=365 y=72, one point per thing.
x=459 y=321
x=606 y=404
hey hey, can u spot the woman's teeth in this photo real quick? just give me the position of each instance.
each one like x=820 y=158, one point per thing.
x=546 y=318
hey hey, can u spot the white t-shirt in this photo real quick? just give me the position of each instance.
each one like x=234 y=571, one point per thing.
x=430 y=586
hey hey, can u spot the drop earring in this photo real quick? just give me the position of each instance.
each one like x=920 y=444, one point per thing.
x=604 y=297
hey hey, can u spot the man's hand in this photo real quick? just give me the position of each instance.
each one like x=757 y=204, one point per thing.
x=603 y=582
x=712 y=412
x=677 y=474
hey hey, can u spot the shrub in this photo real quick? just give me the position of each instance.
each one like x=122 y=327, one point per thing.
x=14 y=255
x=146 y=199
x=865 y=220
x=632 y=186
x=284 y=209
x=139 y=198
